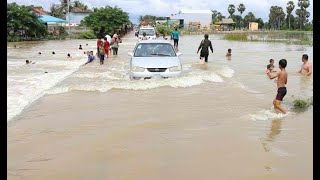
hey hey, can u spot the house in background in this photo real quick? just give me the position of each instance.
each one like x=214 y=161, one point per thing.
x=51 y=22
x=202 y=18
x=76 y=15
x=253 y=26
x=39 y=11
x=225 y=25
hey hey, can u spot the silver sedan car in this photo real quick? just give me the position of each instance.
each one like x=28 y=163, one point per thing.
x=154 y=59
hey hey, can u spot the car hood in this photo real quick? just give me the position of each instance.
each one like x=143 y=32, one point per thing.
x=155 y=62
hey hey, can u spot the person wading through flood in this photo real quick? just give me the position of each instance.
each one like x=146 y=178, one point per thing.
x=106 y=46
x=204 y=46
x=115 y=44
x=101 y=53
x=98 y=44
x=282 y=76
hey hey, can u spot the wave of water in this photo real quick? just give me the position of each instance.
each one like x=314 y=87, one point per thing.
x=106 y=81
x=27 y=83
x=265 y=114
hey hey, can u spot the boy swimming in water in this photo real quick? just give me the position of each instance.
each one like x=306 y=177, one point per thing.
x=228 y=53
x=282 y=76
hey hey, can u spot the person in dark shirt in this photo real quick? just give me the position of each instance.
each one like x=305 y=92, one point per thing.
x=204 y=46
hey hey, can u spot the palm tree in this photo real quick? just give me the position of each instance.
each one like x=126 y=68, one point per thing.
x=80 y=5
x=231 y=9
x=276 y=15
x=55 y=11
x=290 y=8
x=216 y=16
x=241 y=9
x=302 y=12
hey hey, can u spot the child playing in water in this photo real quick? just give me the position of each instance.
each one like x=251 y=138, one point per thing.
x=228 y=53
x=282 y=76
x=90 y=58
x=271 y=61
x=269 y=69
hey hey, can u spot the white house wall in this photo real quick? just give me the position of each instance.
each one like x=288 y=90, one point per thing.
x=75 y=18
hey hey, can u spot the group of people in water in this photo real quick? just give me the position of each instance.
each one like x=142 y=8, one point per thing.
x=282 y=77
x=107 y=44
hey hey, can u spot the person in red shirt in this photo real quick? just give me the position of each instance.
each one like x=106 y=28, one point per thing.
x=106 y=46
x=98 y=44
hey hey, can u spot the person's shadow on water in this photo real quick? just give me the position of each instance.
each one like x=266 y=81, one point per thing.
x=274 y=131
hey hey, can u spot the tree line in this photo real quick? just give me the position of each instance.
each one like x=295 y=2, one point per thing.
x=24 y=23
x=278 y=19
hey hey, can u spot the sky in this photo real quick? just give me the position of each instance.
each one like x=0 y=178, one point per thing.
x=135 y=8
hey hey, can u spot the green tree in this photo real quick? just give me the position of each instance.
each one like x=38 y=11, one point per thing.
x=216 y=16
x=302 y=12
x=238 y=21
x=249 y=18
x=290 y=8
x=276 y=15
x=149 y=18
x=260 y=23
x=106 y=20
x=80 y=5
x=231 y=9
x=23 y=19
x=241 y=9
x=56 y=11
x=290 y=22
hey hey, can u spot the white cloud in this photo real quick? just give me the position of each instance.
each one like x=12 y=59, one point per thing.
x=260 y=8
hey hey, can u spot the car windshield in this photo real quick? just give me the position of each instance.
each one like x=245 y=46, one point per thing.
x=149 y=32
x=154 y=50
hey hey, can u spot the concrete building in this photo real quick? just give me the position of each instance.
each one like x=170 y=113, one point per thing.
x=202 y=18
x=253 y=26
x=76 y=15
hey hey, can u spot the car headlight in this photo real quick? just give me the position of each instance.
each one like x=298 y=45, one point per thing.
x=137 y=69
x=175 y=68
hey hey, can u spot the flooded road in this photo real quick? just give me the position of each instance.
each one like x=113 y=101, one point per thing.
x=213 y=122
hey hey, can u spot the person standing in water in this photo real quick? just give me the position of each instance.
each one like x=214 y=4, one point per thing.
x=204 y=46
x=115 y=45
x=106 y=46
x=306 y=68
x=175 y=37
x=101 y=53
x=98 y=44
x=282 y=76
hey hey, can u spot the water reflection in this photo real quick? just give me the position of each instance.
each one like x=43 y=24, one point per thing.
x=274 y=131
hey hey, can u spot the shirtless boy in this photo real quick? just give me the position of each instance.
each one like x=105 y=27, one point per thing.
x=306 y=68
x=282 y=81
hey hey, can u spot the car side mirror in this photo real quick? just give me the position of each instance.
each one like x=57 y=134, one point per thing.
x=179 y=53
x=130 y=53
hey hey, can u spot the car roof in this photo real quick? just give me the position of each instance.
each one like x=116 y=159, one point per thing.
x=154 y=41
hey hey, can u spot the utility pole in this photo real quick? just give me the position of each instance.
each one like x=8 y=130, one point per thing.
x=69 y=16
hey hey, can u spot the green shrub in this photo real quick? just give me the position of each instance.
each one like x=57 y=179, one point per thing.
x=87 y=35
x=162 y=29
x=13 y=38
x=236 y=37
x=302 y=104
